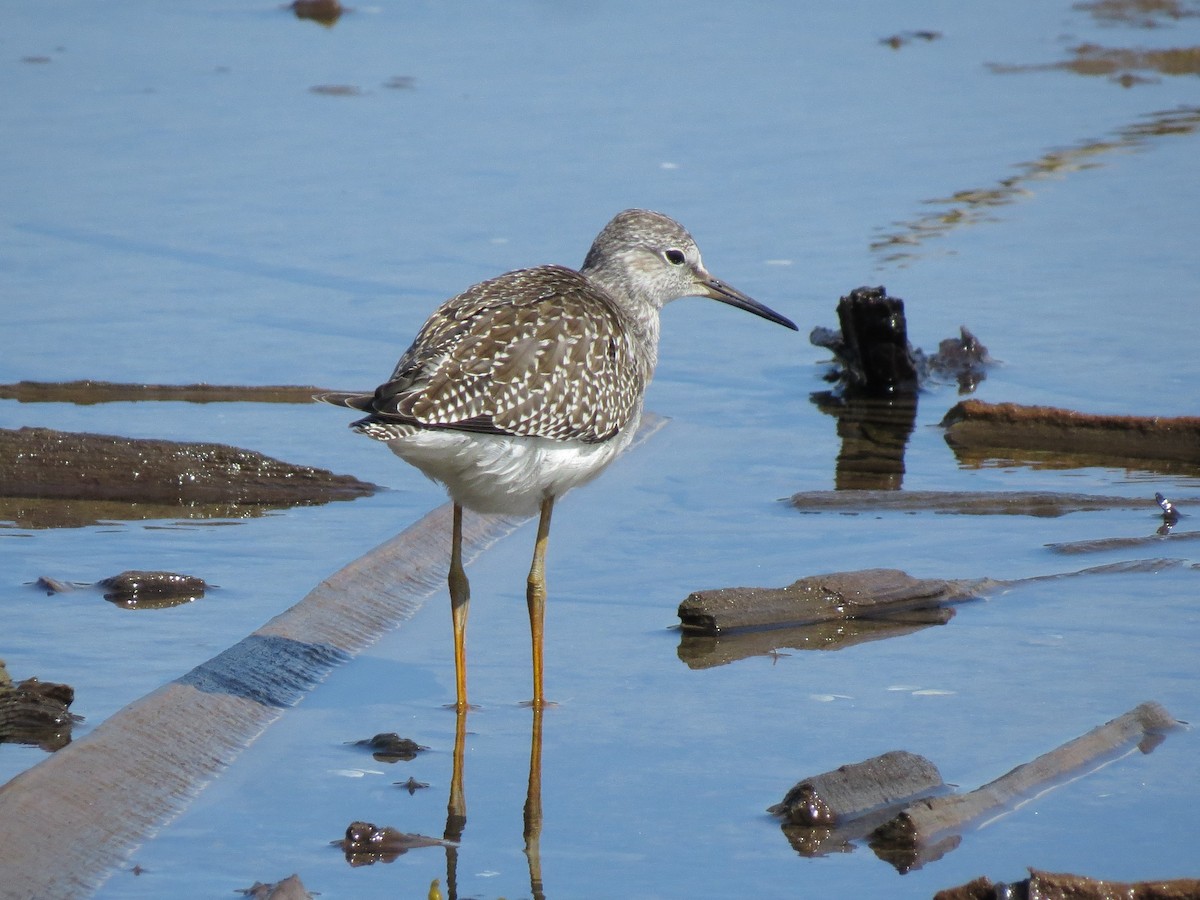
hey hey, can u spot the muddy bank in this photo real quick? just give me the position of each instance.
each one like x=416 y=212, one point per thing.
x=42 y=464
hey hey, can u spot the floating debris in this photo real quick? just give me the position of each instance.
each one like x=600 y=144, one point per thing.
x=323 y=12
x=36 y=713
x=366 y=844
x=389 y=747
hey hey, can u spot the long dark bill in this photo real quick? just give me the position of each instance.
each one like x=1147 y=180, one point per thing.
x=719 y=290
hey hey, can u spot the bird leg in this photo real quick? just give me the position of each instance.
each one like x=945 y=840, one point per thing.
x=460 y=600
x=536 y=597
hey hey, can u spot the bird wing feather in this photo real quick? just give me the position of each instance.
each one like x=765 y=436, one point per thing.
x=506 y=356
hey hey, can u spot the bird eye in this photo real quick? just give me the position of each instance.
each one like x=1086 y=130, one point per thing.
x=675 y=257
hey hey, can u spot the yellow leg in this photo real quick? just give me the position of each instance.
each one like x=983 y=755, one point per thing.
x=460 y=600
x=536 y=597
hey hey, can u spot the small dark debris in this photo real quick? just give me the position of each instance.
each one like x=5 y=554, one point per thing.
x=412 y=785
x=323 y=12
x=1169 y=512
x=400 y=83
x=336 y=90
x=389 y=747
x=896 y=41
x=53 y=586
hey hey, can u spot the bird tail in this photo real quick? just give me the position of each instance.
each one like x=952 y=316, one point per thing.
x=349 y=399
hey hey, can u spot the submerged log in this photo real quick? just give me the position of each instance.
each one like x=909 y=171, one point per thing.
x=44 y=463
x=871 y=593
x=848 y=792
x=985 y=430
x=927 y=828
x=87 y=392
x=873 y=354
x=1060 y=886
x=1042 y=504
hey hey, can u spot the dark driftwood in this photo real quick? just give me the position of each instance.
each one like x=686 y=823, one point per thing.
x=975 y=427
x=88 y=392
x=968 y=503
x=870 y=593
x=43 y=463
x=925 y=830
x=850 y=791
x=1059 y=886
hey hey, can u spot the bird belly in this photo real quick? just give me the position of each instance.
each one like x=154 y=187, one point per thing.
x=507 y=474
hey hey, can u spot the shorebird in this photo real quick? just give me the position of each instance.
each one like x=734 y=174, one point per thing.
x=531 y=383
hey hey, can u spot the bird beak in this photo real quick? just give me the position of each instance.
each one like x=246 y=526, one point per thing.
x=719 y=290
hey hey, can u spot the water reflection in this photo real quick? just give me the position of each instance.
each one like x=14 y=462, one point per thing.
x=456 y=809
x=972 y=206
x=874 y=433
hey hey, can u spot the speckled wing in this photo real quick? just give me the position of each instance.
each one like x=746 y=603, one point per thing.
x=537 y=352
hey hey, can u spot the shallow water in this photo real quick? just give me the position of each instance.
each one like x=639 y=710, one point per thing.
x=180 y=206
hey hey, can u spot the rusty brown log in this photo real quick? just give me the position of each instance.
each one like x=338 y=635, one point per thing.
x=870 y=593
x=87 y=392
x=925 y=829
x=850 y=791
x=974 y=427
x=44 y=463
x=1063 y=886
